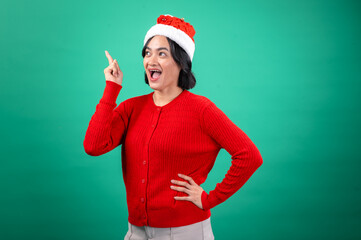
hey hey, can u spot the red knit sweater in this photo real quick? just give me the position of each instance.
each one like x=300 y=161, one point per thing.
x=183 y=136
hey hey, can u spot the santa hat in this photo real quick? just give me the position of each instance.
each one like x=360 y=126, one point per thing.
x=176 y=29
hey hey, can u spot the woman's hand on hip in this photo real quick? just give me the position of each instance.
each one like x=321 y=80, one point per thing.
x=113 y=72
x=191 y=188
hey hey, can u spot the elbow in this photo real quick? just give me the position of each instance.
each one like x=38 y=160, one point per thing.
x=258 y=160
x=90 y=153
x=90 y=150
x=255 y=158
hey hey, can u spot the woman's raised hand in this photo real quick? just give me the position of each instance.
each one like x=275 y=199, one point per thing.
x=113 y=72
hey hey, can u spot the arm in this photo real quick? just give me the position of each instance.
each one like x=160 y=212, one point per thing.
x=246 y=158
x=107 y=125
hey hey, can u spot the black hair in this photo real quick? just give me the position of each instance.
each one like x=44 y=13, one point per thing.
x=186 y=78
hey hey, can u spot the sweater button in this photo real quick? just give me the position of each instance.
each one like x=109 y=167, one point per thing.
x=158 y=109
x=153 y=125
x=142 y=200
x=143 y=180
x=144 y=162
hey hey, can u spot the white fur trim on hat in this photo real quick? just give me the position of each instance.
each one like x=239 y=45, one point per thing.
x=173 y=33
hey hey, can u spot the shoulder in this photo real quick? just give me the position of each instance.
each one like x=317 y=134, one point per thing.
x=137 y=99
x=206 y=108
x=200 y=101
x=128 y=105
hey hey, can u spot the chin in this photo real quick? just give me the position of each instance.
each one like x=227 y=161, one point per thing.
x=154 y=86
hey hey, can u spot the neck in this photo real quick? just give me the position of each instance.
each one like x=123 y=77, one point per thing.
x=162 y=98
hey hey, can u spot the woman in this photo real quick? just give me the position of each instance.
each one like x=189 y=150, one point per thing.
x=170 y=139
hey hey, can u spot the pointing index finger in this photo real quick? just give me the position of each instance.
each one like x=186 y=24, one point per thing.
x=110 y=59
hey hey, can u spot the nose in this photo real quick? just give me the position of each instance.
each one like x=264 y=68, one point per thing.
x=153 y=60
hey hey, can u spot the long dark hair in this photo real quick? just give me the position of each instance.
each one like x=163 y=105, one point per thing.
x=186 y=78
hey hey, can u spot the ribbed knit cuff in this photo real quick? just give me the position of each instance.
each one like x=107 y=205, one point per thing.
x=111 y=92
x=205 y=203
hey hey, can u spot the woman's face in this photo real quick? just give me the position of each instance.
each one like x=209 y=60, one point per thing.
x=161 y=69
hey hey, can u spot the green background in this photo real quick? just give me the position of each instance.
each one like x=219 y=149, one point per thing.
x=286 y=72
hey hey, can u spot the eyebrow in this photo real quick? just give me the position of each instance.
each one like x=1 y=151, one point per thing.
x=161 y=48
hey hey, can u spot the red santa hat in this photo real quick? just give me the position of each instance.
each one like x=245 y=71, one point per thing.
x=176 y=29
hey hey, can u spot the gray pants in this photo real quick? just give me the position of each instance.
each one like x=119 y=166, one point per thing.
x=197 y=231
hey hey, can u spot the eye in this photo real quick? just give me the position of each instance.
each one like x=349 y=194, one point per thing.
x=162 y=53
x=147 y=53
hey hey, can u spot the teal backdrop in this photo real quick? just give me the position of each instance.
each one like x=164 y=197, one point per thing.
x=286 y=72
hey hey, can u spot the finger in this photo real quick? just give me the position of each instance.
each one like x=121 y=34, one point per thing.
x=183 y=198
x=116 y=63
x=182 y=183
x=187 y=178
x=180 y=189
x=110 y=59
x=117 y=66
x=114 y=68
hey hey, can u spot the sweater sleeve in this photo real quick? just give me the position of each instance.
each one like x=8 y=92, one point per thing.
x=107 y=125
x=246 y=158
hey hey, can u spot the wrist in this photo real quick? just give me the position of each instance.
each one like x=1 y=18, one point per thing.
x=204 y=199
x=111 y=91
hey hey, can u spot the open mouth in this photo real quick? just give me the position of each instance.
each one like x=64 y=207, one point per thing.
x=155 y=74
